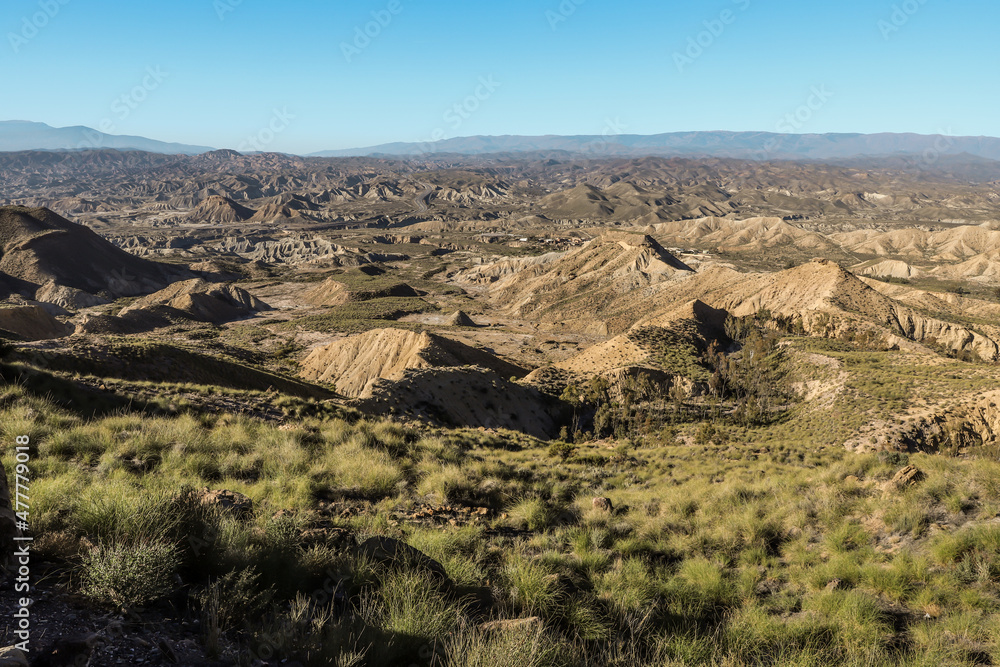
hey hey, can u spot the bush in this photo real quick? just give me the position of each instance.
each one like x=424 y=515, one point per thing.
x=233 y=599
x=897 y=459
x=561 y=450
x=129 y=575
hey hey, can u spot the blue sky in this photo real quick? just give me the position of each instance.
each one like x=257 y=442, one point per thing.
x=225 y=72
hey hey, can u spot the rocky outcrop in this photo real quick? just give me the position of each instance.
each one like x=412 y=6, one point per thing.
x=905 y=477
x=301 y=250
x=954 y=431
x=67 y=297
x=603 y=504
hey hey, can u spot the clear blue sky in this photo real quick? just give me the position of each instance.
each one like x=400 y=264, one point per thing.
x=607 y=64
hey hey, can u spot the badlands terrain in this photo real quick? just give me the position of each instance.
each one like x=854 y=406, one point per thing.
x=512 y=409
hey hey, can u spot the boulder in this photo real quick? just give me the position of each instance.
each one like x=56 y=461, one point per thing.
x=12 y=657
x=602 y=503
x=907 y=476
x=391 y=552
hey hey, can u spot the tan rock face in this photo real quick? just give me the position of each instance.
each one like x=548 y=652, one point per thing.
x=67 y=297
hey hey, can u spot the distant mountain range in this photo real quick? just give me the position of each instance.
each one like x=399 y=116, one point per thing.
x=25 y=135
x=742 y=145
x=22 y=135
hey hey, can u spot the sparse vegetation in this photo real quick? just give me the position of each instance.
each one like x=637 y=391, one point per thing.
x=812 y=483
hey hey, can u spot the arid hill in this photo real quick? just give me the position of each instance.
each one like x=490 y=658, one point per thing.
x=890 y=268
x=460 y=319
x=332 y=292
x=199 y=300
x=585 y=285
x=666 y=350
x=627 y=201
x=353 y=364
x=827 y=300
x=220 y=209
x=40 y=247
x=461 y=397
x=32 y=322
x=742 y=235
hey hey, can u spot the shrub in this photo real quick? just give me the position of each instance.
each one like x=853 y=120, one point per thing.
x=896 y=459
x=233 y=599
x=561 y=450
x=129 y=575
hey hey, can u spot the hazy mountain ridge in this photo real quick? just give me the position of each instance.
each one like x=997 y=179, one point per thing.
x=754 y=145
x=19 y=135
